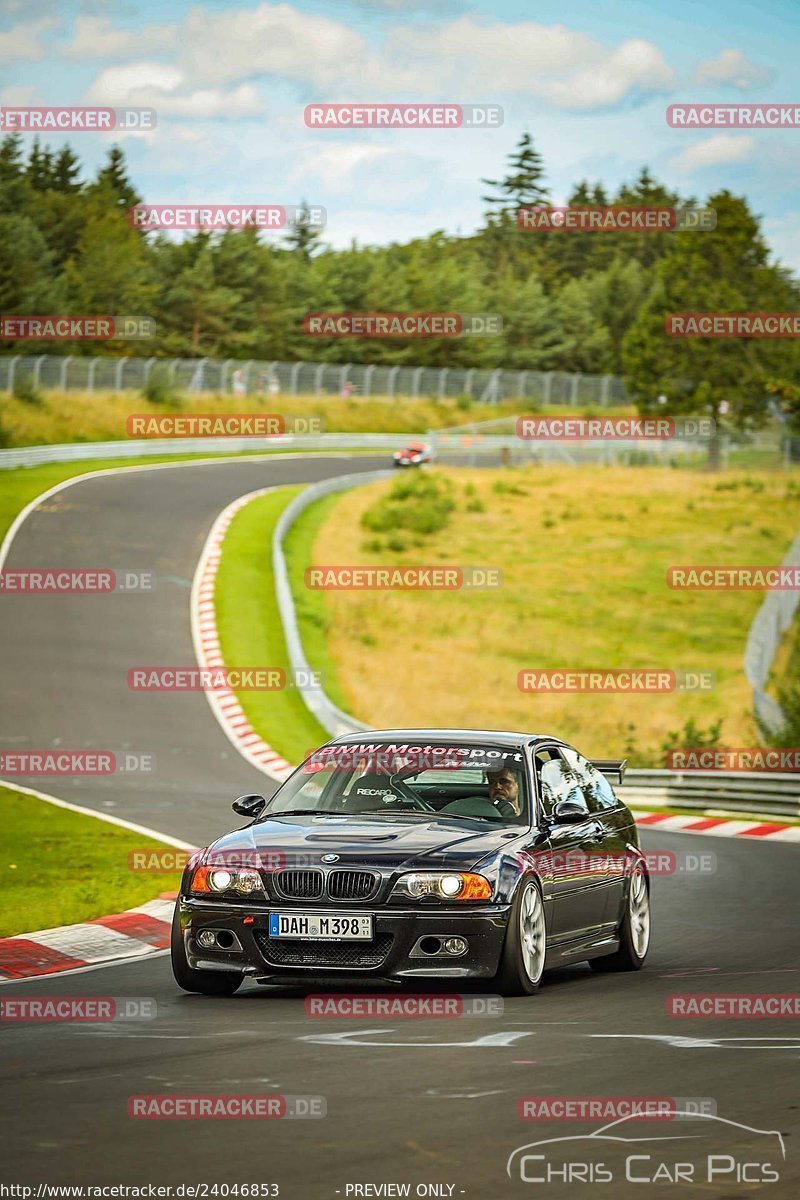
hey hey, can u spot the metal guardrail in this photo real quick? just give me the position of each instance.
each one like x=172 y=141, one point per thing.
x=764 y=793
x=316 y=700
x=771 y=622
x=34 y=456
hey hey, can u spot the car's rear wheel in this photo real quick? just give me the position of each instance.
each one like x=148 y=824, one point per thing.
x=208 y=983
x=634 y=934
x=524 y=949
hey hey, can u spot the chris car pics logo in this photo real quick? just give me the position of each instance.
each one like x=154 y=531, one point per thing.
x=700 y=1149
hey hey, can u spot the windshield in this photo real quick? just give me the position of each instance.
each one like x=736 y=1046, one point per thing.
x=466 y=783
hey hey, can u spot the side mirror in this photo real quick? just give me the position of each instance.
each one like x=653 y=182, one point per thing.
x=570 y=812
x=249 y=806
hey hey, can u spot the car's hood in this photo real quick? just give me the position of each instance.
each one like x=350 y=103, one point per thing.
x=369 y=841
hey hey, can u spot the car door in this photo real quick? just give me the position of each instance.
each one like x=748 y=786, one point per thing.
x=609 y=840
x=578 y=886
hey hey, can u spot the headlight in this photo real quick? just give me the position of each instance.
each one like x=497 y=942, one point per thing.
x=212 y=880
x=443 y=885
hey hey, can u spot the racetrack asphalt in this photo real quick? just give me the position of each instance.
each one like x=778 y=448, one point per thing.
x=428 y=1102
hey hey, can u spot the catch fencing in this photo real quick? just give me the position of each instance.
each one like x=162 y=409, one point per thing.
x=252 y=377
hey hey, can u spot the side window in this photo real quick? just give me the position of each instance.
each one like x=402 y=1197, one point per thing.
x=559 y=780
x=596 y=788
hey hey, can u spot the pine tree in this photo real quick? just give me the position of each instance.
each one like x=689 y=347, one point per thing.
x=40 y=167
x=303 y=237
x=523 y=184
x=66 y=170
x=114 y=176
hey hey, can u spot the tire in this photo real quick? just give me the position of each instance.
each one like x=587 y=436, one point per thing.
x=207 y=983
x=634 y=935
x=522 y=961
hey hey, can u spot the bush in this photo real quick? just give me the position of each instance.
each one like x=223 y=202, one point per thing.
x=26 y=392
x=692 y=737
x=5 y=435
x=159 y=390
x=420 y=503
x=475 y=505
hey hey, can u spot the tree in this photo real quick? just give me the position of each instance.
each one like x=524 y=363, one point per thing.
x=66 y=171
x=303 y=237
x=523 y=184
x=27 y=282
x=197 y=308
x=505 y=245
x=724 y=270
x=40 y=167
x=113 y=178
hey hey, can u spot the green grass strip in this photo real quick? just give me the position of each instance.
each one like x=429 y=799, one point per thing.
x=59 y=867
x=250 y=629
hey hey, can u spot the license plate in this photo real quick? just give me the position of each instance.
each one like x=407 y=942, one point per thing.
x=321 y=927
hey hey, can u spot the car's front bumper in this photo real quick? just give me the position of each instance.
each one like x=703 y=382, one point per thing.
x=394 y=953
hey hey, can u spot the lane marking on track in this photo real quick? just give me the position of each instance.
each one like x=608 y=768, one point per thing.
x=349 y=1036
x=100 y=816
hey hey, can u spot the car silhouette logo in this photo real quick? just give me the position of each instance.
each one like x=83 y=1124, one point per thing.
x=329 y=858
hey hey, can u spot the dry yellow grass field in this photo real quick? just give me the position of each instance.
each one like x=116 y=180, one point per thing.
x=584 y=555
x=101 y=415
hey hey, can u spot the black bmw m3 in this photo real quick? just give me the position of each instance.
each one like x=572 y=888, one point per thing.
x=407 y=855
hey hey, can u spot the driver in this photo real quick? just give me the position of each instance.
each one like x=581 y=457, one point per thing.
x=504 y=791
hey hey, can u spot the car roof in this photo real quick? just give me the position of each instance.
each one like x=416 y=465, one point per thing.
x=439 y=736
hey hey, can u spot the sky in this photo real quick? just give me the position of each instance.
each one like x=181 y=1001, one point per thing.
x=590 y=81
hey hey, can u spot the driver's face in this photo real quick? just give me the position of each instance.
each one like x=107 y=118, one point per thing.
x=503 y=786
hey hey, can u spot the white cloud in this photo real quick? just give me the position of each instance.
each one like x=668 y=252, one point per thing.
x=153 y=85
x=336 y=167
x=730 y=67
x=564 y=67
x=23 y=41
x=272 y=39
x=464 y=60
x=96 y=37
x=20 y=95
x=634 y=68
x=714 y=152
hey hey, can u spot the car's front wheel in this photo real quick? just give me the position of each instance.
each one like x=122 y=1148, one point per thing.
x=634 y=934
x=208 y=983
x=522 y=962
